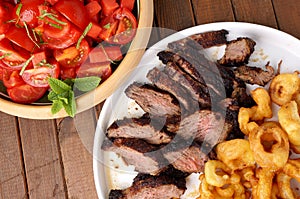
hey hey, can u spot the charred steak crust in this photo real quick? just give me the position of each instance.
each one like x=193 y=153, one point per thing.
x=211 y=38
x=162 y=186
x=237 y=52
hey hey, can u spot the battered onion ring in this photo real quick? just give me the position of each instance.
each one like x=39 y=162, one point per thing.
x=236 y=154
x=263 y=188
x=292 y=168
x=217 y=173
x=275 y=191
x=263 y=101
x=270 y=145
x=284 y=186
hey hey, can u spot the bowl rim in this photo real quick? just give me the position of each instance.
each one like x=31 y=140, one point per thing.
x=104 y=90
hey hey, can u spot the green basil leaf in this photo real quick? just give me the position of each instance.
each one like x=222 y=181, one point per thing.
x=56 y=106
x=52 y=96
x=87 y=83
x=70 y=107
x=58 y=86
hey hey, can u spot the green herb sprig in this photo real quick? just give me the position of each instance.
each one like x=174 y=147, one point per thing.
x=62 y=92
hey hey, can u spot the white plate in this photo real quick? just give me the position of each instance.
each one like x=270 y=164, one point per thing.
x=272 y=45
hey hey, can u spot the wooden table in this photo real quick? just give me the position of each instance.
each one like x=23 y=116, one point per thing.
x=48 y=159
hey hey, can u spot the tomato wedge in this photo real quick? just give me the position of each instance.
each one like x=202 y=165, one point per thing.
x=5 y=14
x=102 y=70
x=26 y=94
x=38 y=77
x=129 y=4
x=19 y=36
x=73 y=57
x=119 y=27
x=28 y=13
x=74 y=11
x=105 y=54
x=108 y=7
x=12 y=79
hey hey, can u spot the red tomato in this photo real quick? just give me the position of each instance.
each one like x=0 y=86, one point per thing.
x=26 y=94
x=13 y=58
x=102 y=70
x=129 y=4
x=74 y=11
x=1 y=73
x=108 y=7
x=93 y=8
x=5 y=14
x=12 y=79
x=19 y=37
x=38 y=77
x=119 y=27
x=72 y=57
x=67 y=73
x=105 y=54
x=28 y=13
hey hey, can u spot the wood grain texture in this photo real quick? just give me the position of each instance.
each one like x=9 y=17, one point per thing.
x=255 y=11
x=42 y=159
x=12 y=178
x=173 y=15
x=207 y=11
x=77 y=154
x=288 y=16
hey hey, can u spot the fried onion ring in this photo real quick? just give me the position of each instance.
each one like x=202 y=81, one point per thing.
x=217 y=173
x=263 y=188
x=270 y=145
x=292 y=168
x=284 y=186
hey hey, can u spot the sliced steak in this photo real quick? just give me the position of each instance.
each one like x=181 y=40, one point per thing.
x=145 y=157
x=206 y=127
x=163 y=186
x=164 y=82
x=144 y=128
x=211 y=38
x=188 y=159
x=198 y=91
x=255 y=75
x=237 y=52
x=158 y=103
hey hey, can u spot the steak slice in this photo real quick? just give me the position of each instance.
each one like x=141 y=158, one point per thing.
x=144 y=128
x=145 y=157
x=188 y=159
x=206 y=127
x=211 y=38
x=166 y=185
x=158 y=103
x=237 y=52
x=164 y=82
x=255 y=75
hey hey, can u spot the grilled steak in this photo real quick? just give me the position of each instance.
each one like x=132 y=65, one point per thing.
x=158 y=103
x=206 y=127
x=237 y=52
x=185 y=158
x=163 y=186
x=144 y=128
x=162 y=81
x=145 y=157
x=255 y=75
x=205 y=39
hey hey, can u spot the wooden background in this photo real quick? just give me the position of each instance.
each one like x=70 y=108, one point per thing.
x=47 y=159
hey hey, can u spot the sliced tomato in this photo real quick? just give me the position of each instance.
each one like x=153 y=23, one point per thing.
x=94 y=31
x=102 y=70
x=26 y=94
x=38 y=77
x=38 y=58
x=72 y=57
x=1 y=73
x=105 y=54
x=129 y=4
x=74 y=11
x=28 y=13
x=12 y=58
x=52 y=2
x=93 y=8
x=125 y=29
x=6 y=10
x=67 y=73
x=12 y=79
x=19 y=36
x=108 y=7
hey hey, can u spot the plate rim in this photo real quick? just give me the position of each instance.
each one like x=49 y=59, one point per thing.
x=183 y=33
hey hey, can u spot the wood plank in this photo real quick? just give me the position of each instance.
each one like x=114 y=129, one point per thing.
x=255 y=11
x=42 y=159
x=207 y=12
x=168 y=17
x=288 y=16
x=12 y=177
x=76 y=137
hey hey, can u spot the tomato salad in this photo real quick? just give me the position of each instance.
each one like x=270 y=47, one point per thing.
x=43 y=39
